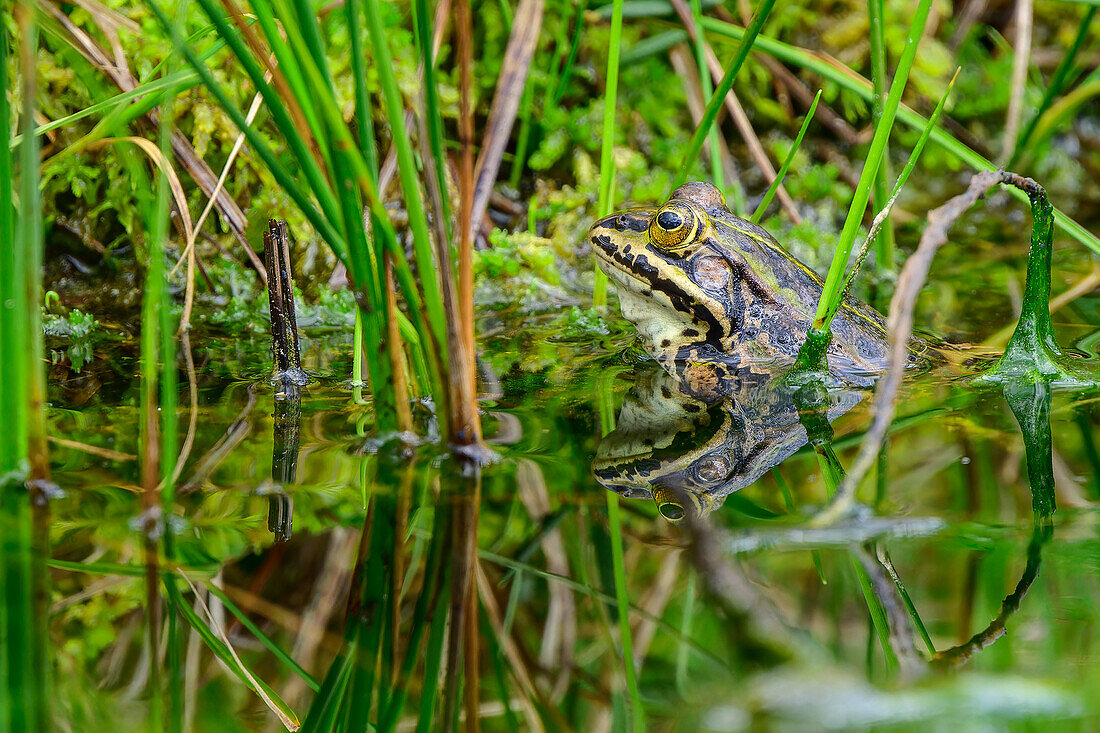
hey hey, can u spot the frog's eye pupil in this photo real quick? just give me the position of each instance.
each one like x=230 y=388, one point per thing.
x=669 y=220
x=675 y=225
x=672 y=512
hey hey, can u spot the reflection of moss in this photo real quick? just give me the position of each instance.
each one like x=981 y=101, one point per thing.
x=1030 y=403
x=79 y=328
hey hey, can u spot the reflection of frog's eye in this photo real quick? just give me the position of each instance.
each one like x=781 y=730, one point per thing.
x=670 y=511
x=675 y=225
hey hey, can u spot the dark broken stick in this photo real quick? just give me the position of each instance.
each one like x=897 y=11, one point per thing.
x=288 y=374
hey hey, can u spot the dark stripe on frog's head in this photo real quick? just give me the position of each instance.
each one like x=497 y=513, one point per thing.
x=714 y=330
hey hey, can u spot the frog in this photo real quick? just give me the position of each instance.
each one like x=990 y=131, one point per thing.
x=717 y=301
x=687 y=454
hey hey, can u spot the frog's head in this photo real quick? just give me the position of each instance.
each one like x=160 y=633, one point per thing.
x=673 y=277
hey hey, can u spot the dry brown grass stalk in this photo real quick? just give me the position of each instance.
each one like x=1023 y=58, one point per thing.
x=737 y=112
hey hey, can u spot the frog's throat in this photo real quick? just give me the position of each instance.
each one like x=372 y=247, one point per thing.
x=662 y=329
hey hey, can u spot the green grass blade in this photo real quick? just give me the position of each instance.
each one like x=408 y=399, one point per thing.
x=774 y=187
x=875 y=12
x=910 y=164
x=309 y=23
x=695 y=145
x=830 y=297
x=708 y=89
x=319 y=221
x=854 y=83
x=607 y=144
x=656 y=45
x=571 y=58
x=878 y=616
x=290 y=68
x=298 y=145
x=432 y=108
x=406 y=165
x=155 y=89
x=24 y=694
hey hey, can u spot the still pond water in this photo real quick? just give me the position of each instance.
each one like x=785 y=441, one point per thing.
x=947 y=603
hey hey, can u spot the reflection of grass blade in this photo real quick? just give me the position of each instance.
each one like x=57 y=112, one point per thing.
x=607 y=144
x=427 y=606
x=326 y=706
x=433 y=661
x=216 y=641
x=623 y=604
x=696 y=143
x=770 y=193
x=264 y=639
x=830 y=296
x=878 y=617
x=918 y=622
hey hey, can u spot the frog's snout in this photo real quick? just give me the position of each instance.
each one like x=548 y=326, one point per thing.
x=624 y=221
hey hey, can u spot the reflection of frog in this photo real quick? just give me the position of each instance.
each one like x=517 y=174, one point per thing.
x=717 y=300
x=689 y=455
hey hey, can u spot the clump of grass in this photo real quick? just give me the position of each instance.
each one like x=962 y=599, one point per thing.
x=695 y=145
x=337 y=175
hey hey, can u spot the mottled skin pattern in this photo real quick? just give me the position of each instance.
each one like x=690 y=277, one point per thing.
x=688 y=455
x=717 y=301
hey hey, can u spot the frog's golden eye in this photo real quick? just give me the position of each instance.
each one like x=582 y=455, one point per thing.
x=675 y=225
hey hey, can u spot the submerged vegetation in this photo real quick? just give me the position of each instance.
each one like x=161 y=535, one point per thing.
x=446 y=535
